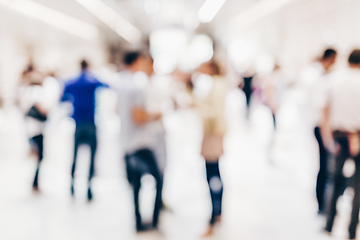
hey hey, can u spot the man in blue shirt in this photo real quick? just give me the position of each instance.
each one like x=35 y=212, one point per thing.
x=81 y=93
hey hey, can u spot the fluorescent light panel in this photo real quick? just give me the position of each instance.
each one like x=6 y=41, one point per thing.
x=111 y=18
x=55 y=18
x=209 y=10
x=256 y=12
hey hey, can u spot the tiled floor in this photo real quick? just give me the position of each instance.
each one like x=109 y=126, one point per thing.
x=269 y=182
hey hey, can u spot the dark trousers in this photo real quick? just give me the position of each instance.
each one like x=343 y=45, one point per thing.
x=341 y=157
x=38 y=142
x=137 y=164
x=322 y=177
x=216 y=189
x=85 y=134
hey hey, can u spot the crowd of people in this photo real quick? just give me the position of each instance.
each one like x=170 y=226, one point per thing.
x=332 y=98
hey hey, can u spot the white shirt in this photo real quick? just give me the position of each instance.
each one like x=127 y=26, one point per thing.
x=344 y=100
x=314 y=83
x=134 y=137
x=46 y=95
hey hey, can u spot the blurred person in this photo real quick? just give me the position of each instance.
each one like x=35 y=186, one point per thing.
x=247 y=86
x=340 y=129
x=81 y=92
x=272 y=91
x=211 y=108
x=314 y=80
x=136 y=137
x=156 y=99
x=38 y=94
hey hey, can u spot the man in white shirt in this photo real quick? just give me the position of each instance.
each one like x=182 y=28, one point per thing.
x=136 y=137
x=37 y=96
x=314 y=81
x=340 y=130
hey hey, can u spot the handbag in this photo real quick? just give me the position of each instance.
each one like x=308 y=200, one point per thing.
x=34 y=113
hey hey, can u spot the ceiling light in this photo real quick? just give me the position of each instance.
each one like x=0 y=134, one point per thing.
x=256 y=12
x=209 y=9
x=53 y=17
x=111 y=18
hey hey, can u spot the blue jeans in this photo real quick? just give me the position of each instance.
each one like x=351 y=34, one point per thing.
x=137 y=164
x=216 y=189
x=85 y=134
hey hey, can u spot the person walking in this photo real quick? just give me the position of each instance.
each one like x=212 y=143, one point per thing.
x=314 y=81
x=81 y=92
x=137 y=141
x=340 y=130
x=38 y=94
x=211 y=108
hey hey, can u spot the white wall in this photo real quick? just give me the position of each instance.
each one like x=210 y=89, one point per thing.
x=51 y=49
x=295 y=34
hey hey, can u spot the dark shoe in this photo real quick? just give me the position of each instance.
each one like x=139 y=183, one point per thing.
x=89 y=194
x=141 y=228
x=327 y=231
x=35 y=190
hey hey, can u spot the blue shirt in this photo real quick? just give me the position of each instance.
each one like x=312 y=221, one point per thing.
x=81 y=93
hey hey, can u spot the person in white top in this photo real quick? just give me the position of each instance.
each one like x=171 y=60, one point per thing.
x=37 y=96
x=314 y=81
x=340 y=129
x=136 y=137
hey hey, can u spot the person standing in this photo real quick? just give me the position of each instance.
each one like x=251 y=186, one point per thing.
x=81 y=92
x=340 y=129
x=37 y=95
x=314 y=80
x=137 y=140
x=211 y=108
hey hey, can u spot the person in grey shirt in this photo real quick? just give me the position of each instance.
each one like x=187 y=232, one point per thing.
x=135 y=135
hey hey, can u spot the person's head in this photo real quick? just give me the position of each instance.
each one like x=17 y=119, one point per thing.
x=211 y=68
x=84 y=65
x=354 y=58
x=328 y=59
x=133 y=61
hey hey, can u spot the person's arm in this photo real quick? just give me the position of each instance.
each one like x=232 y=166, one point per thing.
x=326 y=131
x=354 y=144
x=139 y=113
x=141 y=116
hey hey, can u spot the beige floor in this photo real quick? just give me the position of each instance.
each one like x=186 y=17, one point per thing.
x=268 y=194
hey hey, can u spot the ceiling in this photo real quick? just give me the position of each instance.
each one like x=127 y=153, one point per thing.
x=148 y=15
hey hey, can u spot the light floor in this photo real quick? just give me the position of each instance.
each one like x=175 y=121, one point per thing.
x=269 y=184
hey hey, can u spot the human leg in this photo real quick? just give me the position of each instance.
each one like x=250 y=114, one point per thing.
x=39 y=143
x=216 y=189
x=92 y=138
x=356 y=201
x=76 y=146
x=323 y=174
x=148 y=158
x=337 y=181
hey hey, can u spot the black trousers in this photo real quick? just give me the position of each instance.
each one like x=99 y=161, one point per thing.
x=341 y=157
x=137 y=164
x=322 y=178
x=216 y=189
x=38 y=142
x=85 y=134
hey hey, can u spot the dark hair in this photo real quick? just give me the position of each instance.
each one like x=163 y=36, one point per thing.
x=329 y=53
x=215 y=67
x=131 y=57
x=84 y=64
x=354 y=57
